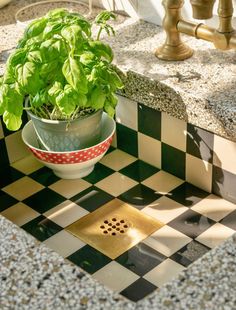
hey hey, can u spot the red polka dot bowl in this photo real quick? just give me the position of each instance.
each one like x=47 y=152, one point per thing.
x=71 y=164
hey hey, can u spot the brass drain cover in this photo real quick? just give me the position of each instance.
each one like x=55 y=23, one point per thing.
x=114 y=228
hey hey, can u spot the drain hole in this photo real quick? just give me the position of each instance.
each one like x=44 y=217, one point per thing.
x=118 y=229
x=117 y=224
x=113 y=226
x=122 y=221
x=122 y=231
x=109 y=229
x=126 y=226
x=105 y=232
x=113 y=234
x=106 y=222
x=109 y=224
x=102 y=227
x=114 y=219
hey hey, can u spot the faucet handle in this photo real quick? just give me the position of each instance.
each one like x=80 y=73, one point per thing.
x=202 y=9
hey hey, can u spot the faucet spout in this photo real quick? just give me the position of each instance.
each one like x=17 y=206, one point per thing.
x=224 y=37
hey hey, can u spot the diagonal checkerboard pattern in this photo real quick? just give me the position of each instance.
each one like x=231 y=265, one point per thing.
x=194 y=220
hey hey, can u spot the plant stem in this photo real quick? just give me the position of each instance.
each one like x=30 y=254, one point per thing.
x=99 y=33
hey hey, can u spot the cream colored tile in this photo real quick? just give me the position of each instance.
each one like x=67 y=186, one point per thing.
x=127 y=113
x=1 y=130
x=214 y=207
x=116 y=184
x=65 y=213
x=20 y=214
x=198 y=172
x=162 y=182
x=23 y=188
x=173 y=132
x=164 y=272
x=224 y=154
x=215 y=235
x=164 y=209
x=167 y=240
x=149 y=150
x=64 y=243
x=117 y=160
x=16 y=149
x=69 y=188
x=115 y=276
x=27 y=165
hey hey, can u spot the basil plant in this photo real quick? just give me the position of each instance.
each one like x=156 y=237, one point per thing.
x=61 y=68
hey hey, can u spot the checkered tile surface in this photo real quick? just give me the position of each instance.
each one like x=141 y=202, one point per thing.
x=195 y=221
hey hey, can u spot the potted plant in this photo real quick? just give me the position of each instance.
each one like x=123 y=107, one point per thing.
x=61 y=74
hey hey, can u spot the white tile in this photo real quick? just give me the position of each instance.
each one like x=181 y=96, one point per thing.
x=116 y=184
x=27 y=165
x=173 y=132
x=199 y=172
x=164 y=209
x=23 y=188
x=64 y=243
x=215 y=235
x=214 y=207
x=167 y=240
x=164 y=272
x=149 y=150
x=224 y=154
x=127 y=113
x=115 y=276
x=16 y=148
x=162 y=182
x=20 y=214
x=117 y=160
x=69 y=188
x=65 y=213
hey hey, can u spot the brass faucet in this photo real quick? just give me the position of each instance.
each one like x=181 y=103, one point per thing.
x=223 y=37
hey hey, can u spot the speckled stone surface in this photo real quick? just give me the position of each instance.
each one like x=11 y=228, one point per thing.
x=200 y=90
x=34 y=277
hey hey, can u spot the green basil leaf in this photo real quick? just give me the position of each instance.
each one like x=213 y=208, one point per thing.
x=35 y=28
x=55 y=91
x=39 y=99
x=35 y=56
x=12 y=121
x=72 y=34
x=3 y=98
x=66 y=101
x=52 y=28
x=57 y=13
x=97 y=98
x=101 y=49
x=28 y=77
x=17 y=57
x=75 y=76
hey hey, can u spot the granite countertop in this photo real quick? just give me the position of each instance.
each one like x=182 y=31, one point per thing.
x=201 y=90
x=35 y=277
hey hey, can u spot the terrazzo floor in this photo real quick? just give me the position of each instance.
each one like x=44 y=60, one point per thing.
x=194 y=221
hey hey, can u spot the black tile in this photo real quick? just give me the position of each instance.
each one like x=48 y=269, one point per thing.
x=44 y=176
x=190 y=253
x=9 y=175
x=149 y=121
x=200 y=143
x=138 y=290
x=7 y=132
x=139 y=170
x=6 y=201
x=187 y=194
x=139 y=196
x=92 y=198
x=127 y=139
x=140 y=259
x=89 y=259
x=111 y=149
x=224 y=184
x=230 y=220
x=44 y=200
x=4 y=160
x=99 y=173
x=173 y=160
x=191 y=223
x=41 y=228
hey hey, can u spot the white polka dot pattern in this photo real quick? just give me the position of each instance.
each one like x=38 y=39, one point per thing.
x=75 y=156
